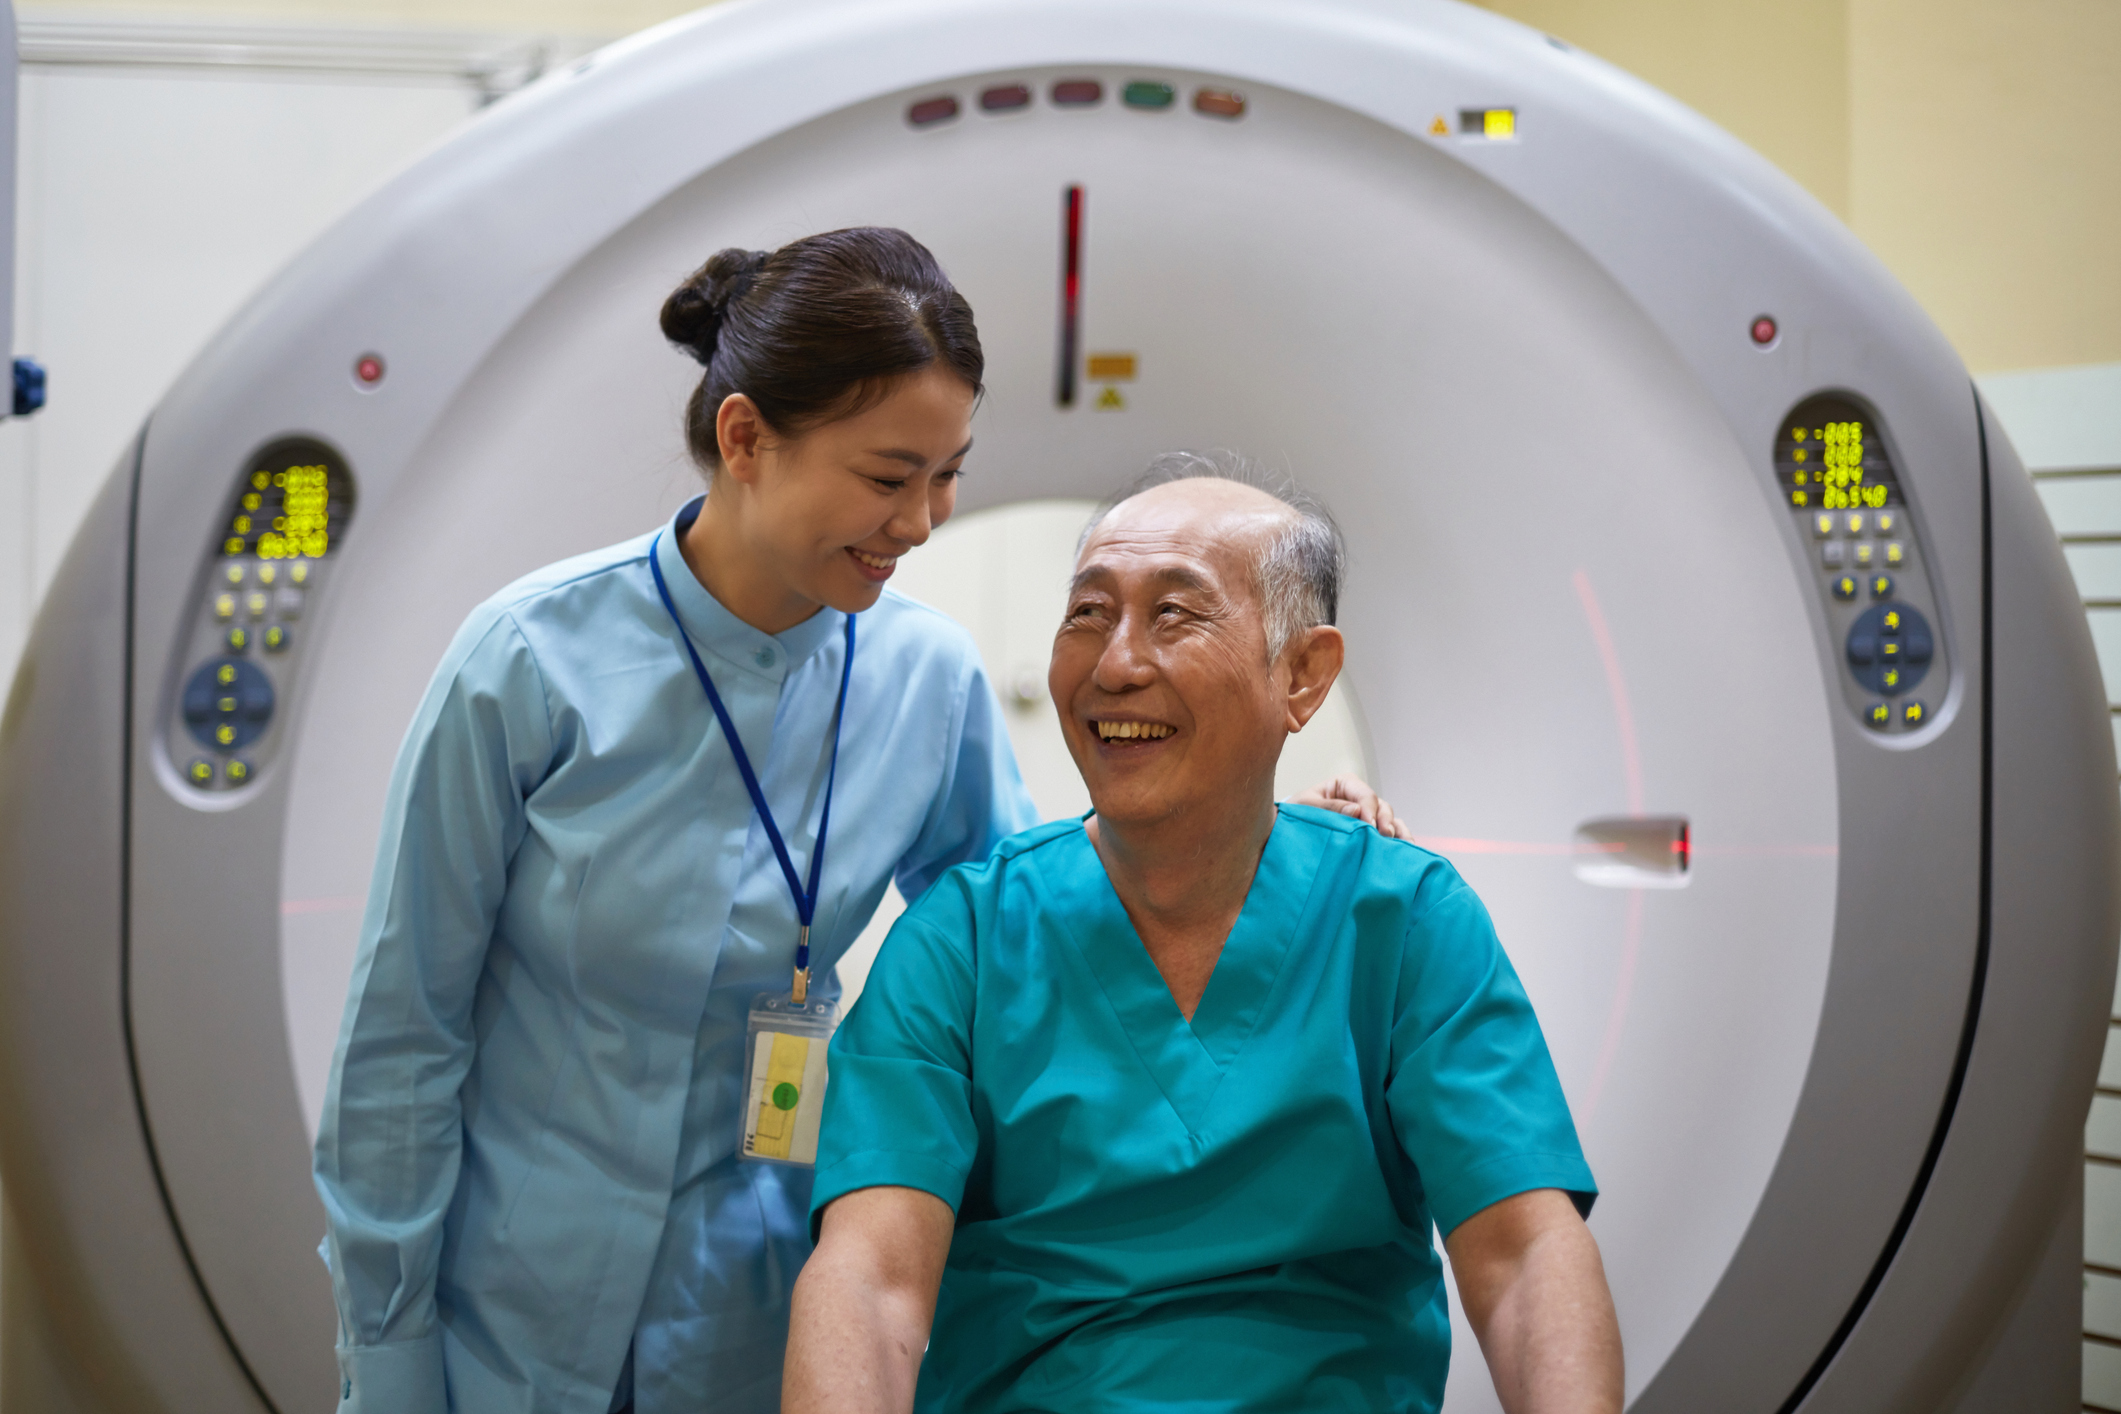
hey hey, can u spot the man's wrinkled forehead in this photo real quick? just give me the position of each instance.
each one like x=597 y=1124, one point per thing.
x=1204 y=532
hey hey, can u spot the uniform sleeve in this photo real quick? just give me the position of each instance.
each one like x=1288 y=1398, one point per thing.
x=982 y=801
x=1473 y=1094
x=391 y=1139
x=898 y=1106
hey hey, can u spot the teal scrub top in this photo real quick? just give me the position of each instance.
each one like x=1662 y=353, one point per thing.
x=527 y=1156
x=1231 y=1214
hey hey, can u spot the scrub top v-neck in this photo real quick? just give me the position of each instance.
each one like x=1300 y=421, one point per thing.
x=527 y=1152
x=1134 y=1191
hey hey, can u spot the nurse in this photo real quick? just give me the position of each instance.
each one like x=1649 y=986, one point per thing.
x=639 y=780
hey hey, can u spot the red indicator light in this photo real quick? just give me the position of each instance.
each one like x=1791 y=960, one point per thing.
x=932 y=110
x=1764 y=331
x=1078 y=93
x=368 y=370
x=1007 y=96
x=1219 y=103
x=1071 y=290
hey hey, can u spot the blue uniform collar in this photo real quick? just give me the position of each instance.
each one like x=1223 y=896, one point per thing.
x=722 y=633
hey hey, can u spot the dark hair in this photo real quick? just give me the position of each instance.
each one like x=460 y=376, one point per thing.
x=817 y=330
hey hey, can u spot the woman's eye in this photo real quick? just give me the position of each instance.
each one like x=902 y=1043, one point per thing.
x=888 y=486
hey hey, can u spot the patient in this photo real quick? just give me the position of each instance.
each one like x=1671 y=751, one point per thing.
x=1155 y=1110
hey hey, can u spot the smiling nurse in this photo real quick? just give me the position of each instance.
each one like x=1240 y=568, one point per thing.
x=588 y=872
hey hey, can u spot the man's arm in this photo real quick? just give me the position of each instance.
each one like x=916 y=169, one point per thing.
x=1534 y=1290
x=864 y=1303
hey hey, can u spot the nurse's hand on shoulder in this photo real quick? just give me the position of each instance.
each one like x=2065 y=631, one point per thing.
x=1350 y=796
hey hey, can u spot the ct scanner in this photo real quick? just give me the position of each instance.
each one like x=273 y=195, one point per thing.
x=1699 y=611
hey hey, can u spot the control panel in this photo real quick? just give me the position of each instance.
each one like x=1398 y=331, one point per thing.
x=1839 y=482
x=271 y=557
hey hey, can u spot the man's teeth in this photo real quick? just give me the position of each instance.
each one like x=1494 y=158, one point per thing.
x=875 y=562
x=1118 y=731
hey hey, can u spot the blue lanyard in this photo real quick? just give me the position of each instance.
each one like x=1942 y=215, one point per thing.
x=805 y=899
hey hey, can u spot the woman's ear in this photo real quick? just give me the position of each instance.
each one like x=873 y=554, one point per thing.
x=1313 y=660
x=738 y=431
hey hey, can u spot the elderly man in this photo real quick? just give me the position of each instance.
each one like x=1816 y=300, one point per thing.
x=1166 y=1100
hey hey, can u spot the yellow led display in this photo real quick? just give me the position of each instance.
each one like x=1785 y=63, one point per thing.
x=1499 y=123
x=288 y=508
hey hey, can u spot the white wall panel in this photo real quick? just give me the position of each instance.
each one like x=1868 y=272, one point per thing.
x=153 y=203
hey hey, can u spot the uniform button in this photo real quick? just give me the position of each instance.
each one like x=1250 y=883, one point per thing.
x=1889 y=622
x=1914 y=714
x=200 y=771
x=1863 y=649
x=268 y=573
x=277 y=637
x=1879 y=715
x=1855 y=525
x=1822 y=525
x=764 y=657
x=238 y=639
x=1845 y=587
x=1881 y=586
x=1895 y=552
x=298 y=573
x=1890 y=679
x=238 y=771
x=233 y=572
x=288 y=601
x=1865 y=553
x=1889 y=650
x=257 y=603
x=1833 y=554
x=224 y=735
x=224 y=606
x=1886 y=522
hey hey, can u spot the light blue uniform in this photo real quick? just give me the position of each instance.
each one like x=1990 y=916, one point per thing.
x=1231 y=1214
x=527 y=1152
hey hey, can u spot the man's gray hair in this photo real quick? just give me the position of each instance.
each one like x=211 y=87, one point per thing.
x=1299 y=570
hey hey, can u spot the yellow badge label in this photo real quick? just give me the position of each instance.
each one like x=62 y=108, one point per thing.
x=1111 y=401
x=787 y=1097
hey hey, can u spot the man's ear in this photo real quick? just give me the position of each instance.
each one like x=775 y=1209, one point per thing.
x=738 y=431
x=1312 y=660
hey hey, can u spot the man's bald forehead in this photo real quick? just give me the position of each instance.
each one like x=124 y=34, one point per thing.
x=1211 y=505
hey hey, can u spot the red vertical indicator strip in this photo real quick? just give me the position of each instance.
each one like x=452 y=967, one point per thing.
x=1071 y=290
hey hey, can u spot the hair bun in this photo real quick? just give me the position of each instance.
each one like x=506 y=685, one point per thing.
x=692 y=316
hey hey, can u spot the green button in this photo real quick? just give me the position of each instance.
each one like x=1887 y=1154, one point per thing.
x=1147 y=93
x=785 y=1096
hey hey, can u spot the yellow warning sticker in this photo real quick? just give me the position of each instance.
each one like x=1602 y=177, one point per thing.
x=1439 y=128
x=1111 y=401
x=1111 y=367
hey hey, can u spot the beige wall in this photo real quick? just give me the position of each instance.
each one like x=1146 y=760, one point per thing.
x=1974 y=144
x=1986 y=169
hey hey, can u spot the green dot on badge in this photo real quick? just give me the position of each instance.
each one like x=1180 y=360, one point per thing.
x=785 y=1096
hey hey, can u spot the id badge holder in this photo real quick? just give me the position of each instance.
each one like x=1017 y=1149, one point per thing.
x=784 y=1077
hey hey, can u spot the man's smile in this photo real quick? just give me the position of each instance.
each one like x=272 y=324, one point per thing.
x=1113 y=729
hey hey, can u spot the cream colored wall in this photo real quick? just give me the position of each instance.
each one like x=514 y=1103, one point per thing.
x=1974 y=144
x=1986 y=169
